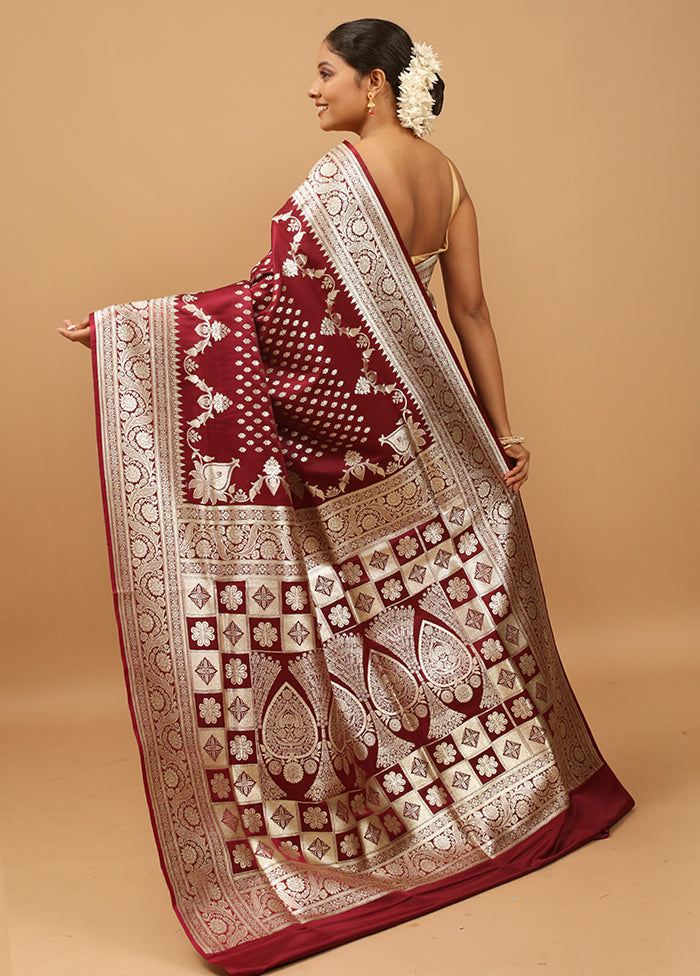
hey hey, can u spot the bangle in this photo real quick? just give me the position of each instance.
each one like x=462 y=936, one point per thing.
x=510 y=439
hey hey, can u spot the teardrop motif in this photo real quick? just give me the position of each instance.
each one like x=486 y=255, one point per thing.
x=289 y=728
x=445 y=659
x=393 y=688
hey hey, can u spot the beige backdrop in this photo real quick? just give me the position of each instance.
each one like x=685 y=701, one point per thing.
x=147 y=144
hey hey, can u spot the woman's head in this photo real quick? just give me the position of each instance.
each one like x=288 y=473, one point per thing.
x=377 y=52
x=369 y=43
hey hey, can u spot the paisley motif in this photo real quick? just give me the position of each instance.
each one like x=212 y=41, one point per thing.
x=289 y=726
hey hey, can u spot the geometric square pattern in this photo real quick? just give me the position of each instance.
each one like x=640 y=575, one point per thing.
x=240 y=623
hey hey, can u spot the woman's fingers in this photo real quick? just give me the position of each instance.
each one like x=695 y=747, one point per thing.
x=76 y=331
x=70 y=326
x=518 y=483
x=516 y=477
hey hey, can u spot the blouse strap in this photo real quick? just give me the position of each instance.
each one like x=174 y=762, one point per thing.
x=456 y=195
x=456 y=191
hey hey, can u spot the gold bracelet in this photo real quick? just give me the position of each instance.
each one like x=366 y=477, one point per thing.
x=511 y=439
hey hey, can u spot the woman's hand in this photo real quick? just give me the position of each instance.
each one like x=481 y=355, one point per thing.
x=77 y=331
x=517 y=476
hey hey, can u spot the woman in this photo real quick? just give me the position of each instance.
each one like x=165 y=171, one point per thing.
x=343 y=679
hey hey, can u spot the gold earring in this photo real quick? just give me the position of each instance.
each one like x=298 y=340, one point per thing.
x=370 y=102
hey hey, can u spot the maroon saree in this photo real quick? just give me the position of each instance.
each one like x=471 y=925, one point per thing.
x=342 y=676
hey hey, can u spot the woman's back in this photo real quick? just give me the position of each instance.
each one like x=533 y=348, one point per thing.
x=415 y=180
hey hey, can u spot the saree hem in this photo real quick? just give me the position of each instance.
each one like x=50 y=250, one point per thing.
x=582 y=822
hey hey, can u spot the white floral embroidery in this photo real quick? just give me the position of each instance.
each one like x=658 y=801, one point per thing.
x=527 y=665
x=218 y=331
x=358 y=805
x=496 y=723
x=394 y=783
x=436 y=796
x=351 y=574
x=220 y=402
x=492 y=649
x=273 y=470
x=290 y=268
x=220 y=785
x=293 y=772
x=231 y=597
x=289 y=849
x=444 y=842
x=296 y=598
x=433 y=532
x=416 y=432
x=498 y=604
x=392 y=590
x=407 y=547
x=521 y=708
x=339 y=616
x=236 y=671
x=458 y=589
x=350 y=845
x=467 y=544
x=252 y=821
x=209 y=710
x=202 y=633
x=392 y=824
x=265 y=634
x=486 y=766
x=315 y=818
x=202 y=488
x=241 y=748
x=445 y=753
x=242 y=856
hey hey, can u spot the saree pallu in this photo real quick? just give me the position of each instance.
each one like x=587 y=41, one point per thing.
x=343 y=681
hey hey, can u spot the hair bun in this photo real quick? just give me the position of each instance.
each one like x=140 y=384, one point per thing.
x=438 y=95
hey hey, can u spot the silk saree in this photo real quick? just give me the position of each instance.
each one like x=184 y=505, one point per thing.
x=342 y=677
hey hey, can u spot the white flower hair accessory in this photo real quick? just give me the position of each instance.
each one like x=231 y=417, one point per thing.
x=415 y=103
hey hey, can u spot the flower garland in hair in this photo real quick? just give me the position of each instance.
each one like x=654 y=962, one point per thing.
x=415 y=103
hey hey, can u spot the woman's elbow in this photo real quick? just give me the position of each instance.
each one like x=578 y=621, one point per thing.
x=471 y=313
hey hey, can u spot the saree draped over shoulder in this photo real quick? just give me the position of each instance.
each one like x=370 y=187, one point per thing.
x=343 y=680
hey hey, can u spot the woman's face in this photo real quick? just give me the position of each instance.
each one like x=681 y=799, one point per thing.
x=340 y=99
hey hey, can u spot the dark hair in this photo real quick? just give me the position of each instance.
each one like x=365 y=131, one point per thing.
x=369 y=43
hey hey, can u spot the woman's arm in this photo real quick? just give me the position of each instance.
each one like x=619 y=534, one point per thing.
x=76 y=331
x=469 y=315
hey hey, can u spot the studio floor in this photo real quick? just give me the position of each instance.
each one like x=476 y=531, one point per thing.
x=83 y=892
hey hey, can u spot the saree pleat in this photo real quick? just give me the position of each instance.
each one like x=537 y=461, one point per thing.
x=342 y=677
